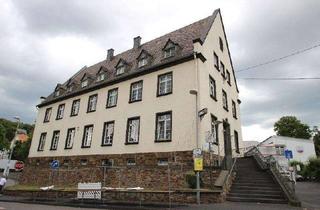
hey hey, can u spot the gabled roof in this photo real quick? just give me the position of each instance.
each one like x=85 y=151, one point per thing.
x=143 y=52
x=184 y=37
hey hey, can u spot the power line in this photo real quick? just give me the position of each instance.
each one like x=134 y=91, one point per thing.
x=280 y=58
x=283 y=78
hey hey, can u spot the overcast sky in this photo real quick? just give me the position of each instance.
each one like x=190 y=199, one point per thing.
x=44 y=42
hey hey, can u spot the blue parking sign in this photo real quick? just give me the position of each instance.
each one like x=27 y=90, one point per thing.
x=55 y=164
x=288 y=154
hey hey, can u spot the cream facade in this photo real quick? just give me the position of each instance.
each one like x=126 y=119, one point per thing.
x=191 y=74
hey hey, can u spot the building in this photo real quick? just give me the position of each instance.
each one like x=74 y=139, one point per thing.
x=302 y=149
x=22 y=135
x=248 y=145
x=140 y=108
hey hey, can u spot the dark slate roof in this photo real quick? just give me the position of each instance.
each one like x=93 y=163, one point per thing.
x=183 y=37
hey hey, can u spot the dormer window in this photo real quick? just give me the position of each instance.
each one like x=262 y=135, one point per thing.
x=84 y=83
x=57 y=93
x=170 y=49
x=142 y=62
x=100 y=77
x=169 y=52
x=121 y=67
x=69 y=88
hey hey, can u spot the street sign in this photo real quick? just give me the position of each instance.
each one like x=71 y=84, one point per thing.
x=198 y=164
x=55 y=164
x=19 y=166
x=288 y=154
x=203 y=112
x=197 y=153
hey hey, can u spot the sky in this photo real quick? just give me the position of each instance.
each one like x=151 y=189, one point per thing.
x=44 y=42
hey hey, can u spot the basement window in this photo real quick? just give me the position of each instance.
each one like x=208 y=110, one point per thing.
x=163 y=162
x=131 y=162
x=107 y=162
x=83 y=162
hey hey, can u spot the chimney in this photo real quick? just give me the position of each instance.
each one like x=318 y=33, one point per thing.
x=136 y=42
x=110 y=54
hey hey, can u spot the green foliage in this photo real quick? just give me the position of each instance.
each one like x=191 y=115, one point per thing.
x=7 y=132
x=292 y=127
x=295 y=163
x=316 y=140
x=191 y=179
x=312 y=169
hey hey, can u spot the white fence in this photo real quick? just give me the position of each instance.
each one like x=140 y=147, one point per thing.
x=89 y=190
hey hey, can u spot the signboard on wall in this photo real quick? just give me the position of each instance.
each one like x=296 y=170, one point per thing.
x=198 y=164
x=288 y=154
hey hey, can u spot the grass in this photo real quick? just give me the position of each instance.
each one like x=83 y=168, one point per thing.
x=36 y=188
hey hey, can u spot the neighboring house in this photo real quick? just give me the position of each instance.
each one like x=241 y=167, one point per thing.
x=139 y=107
x=302 y=149
x=248 y=145
x=22 y=135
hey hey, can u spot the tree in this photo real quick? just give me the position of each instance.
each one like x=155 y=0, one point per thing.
x=4 y=143
x=316 y=140
x=292 y=127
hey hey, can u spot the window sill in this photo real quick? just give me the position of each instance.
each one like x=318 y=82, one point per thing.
x=68 y=148
x=164 y=94
x=217 y=68
x=130 y=102
x=235 y=117
x=51 y=149
x=225 y=108
x=85 y=146
x=214 y=98
x=128 y=143
x=229 y=83
x=46 y=121
x=90 y=111
x=59 y=118
x=106 y=145
x=40 y=150
x=73 y=115
x=108 y=107
x=162 y=141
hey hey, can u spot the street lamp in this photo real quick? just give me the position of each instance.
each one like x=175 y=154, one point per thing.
x=13 y=142
x=195 y=92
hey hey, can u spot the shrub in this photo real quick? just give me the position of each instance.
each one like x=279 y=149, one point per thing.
x=312 y=169
x=294 y=163
x=191 y=179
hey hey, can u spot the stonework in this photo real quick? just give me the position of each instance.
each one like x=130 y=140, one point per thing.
x=146 y=172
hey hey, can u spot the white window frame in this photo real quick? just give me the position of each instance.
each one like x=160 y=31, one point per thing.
x=120 y=70
x=164 y=126
x=136 y=91
x=212 y=87
x=75 y=107
x=42 y=141
x=87 y=136
x=47 y=115
x=112 y=97
x=170 y=52
x=92 y=103
x=133 y=130
x=55 y=140
x=101 y=77
x=142 y=62
x=222 y=69
x=216 y=60
x=225 y=99
x=165 y=82
x=70 y=138
x=84 y=83
x=234 y=109
x=108 y=132
x=131 y=162
x=60 y=111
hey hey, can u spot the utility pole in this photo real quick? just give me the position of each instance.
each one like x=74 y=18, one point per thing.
x=13 y=144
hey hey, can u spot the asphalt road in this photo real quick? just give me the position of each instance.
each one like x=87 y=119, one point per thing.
x=309 y=194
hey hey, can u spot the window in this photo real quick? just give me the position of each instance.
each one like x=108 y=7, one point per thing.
x=66 y=162
x=42 y=141
x=228 y=78
x=224 y=100
x=170 y=52
x=70 y=138
x=131 y=162
x=136 y=91
x=279 y=150
x=60 y=112
x=142 y=62
x=92 y=103
x=234 y=109
x=107 y=162
x=120 y=70
x=55 y=140
x=162 y=161
x=212 y=87
x=222 y=69
x=100 y=77
x=112 y=98
x=57 y=93
x=83 y=162
x=214 y=129
x=216 y=61
x=163 y=126
x=164 y=84
x=69 y=88
x=75 y=107
x=84 y=83
x=133 y=128
x=221 y=44
x=47 y=115
x=236 y=141
x=87 y=136
x=107 y=136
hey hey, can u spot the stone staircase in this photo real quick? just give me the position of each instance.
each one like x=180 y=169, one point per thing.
x=254 y=185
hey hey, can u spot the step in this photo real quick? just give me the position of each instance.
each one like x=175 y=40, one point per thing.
x=255 y=195
x=255 y=184
x=254 y=188
x=258 y=191
x=270 y=181
x=257 y=200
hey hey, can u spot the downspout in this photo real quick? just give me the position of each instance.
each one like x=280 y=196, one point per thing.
x=197 y=98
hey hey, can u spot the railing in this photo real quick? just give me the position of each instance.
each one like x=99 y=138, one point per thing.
x=226 y=182
x=269 y=162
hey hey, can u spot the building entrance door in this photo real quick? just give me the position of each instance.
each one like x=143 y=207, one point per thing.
x=227 y=144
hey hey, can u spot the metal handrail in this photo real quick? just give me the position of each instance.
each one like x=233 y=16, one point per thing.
x=226 y=180
x=272 y=164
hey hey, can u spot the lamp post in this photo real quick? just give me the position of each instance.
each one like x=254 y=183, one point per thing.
x=13 y=142
x=195 y=92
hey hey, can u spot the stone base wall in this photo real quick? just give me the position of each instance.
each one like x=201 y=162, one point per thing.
x=145 y=173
